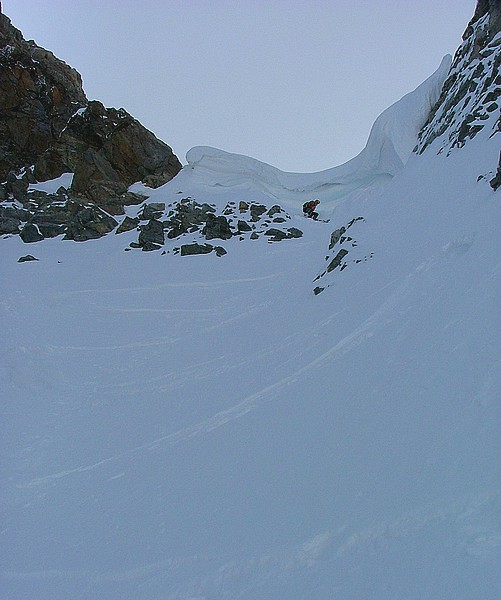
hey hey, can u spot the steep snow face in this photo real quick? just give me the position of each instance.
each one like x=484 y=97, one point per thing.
x=203 y=427
x=390 y=143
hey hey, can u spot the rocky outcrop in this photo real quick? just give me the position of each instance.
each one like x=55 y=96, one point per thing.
x=38 y=95
x=337 y=255
x=107 y=150
x=48 y=128
x=470 y=97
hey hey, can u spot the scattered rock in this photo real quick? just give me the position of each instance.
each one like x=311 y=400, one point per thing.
x=243 y=206
x=318 y=290
x=26 y=258
x=217 y=227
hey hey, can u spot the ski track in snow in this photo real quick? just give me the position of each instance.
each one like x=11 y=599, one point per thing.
x=251 y=402
x=329 y=547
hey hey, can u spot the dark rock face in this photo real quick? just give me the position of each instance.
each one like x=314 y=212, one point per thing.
x=38 y=95
x=108 y=150
x=470 y=96
x=47 y=122
x=151 y=236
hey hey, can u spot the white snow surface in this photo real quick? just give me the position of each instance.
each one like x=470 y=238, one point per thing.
x=391 y=141
x=206 y=428
x=51 y=186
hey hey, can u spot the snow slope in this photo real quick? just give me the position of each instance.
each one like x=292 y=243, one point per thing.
x=207 y=428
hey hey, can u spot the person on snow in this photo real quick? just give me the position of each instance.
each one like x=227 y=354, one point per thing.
x=309 y=209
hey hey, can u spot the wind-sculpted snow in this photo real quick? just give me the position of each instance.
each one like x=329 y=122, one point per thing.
x=390 y=143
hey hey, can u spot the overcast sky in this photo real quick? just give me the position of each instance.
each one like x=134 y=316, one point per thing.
x=294 y=83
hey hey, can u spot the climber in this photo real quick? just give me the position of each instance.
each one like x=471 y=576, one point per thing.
x=309 y=209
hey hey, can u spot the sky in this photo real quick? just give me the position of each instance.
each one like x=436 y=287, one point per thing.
x=296 y=84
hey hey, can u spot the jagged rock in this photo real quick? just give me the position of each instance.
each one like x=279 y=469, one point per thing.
x=220 y=251
x=38 y=95
x=107 y=149
x=17 y=187
x=188 y=216
x=13 y=212
x=217 y=227
x=243 y=206
x=188 y=249
x=89 y=223
x=27 y=258
x=30 y=233
x=336 y=236
x=274 y=210
x=243 y=226
x=153 y=210
x=337 y=260
x=472 y=85
x=254 y=236
x=256 y=211
x=50 y=230
x=318 y=290
x=128 y=224
x=151 y=235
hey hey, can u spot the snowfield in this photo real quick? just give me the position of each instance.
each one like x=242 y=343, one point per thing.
x=208 y=428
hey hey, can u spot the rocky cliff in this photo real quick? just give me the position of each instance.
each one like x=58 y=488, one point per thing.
x=48 y=127
x=469 y=100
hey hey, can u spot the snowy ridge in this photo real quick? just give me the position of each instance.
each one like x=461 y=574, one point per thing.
x=390 y=143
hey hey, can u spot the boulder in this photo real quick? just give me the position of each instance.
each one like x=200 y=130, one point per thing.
x=276 y=235
x=243 y=226
x=27 y=258
x=189 y=249
x=256 y=211
x=151 y=235
x=30 y=233
x=294 y=232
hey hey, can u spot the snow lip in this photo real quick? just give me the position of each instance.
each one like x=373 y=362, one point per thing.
x=391 y=141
